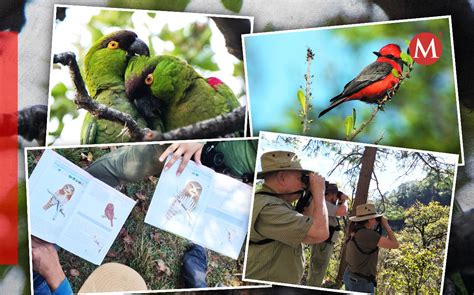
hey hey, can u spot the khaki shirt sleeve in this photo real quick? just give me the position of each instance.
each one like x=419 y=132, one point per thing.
x=279 y=222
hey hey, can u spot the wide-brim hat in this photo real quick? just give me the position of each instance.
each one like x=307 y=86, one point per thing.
x=365 y=212
x=331 y=188
x=113 y=277
x=279 y=161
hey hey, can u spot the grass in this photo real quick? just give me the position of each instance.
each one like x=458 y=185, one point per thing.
x=155 y=254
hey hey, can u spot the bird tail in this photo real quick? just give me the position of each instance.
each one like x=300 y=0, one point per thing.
x=333 y=105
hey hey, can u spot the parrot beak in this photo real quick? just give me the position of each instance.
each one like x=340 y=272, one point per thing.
x=377 y=53
x=138 y=47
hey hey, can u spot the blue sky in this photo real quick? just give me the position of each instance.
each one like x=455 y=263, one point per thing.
x=283 y=57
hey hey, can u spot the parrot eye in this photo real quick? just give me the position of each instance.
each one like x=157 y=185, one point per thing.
x=113 y=45
x=149 y=79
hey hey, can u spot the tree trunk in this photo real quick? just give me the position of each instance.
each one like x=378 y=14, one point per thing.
x=365 y=175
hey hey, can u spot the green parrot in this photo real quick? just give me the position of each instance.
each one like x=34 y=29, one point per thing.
x=170 y=88
x=104 y=66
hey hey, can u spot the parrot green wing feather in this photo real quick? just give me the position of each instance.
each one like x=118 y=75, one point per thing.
x=105 y=131
x=89 y=129
x=200 y=102
x=172 y=77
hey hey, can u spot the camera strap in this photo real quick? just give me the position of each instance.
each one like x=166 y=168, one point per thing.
x=352 y=238
x=266 y=241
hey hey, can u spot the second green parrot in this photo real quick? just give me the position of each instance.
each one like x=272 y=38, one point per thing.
x=170 y=88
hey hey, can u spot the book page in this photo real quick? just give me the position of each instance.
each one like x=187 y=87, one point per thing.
x=179 y=200
x=208 y=208
x=54 y=189
x=223 y=225
x=95 y=224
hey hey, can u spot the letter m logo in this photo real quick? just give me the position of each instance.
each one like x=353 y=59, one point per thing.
x=425 y=48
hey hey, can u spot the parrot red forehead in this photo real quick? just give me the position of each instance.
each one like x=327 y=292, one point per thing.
x=214 y=82
x=392 y=49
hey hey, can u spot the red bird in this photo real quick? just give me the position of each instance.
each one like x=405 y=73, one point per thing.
x=109 y=213
x=374 y=81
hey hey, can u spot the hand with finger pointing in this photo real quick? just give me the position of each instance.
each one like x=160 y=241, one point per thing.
x=182 y=149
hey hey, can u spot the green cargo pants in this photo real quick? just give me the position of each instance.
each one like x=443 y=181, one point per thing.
x=128 y=164
x=320 y=255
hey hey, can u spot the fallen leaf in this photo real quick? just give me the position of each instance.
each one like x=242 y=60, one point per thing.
x=162 y=267
x=140 y=196
x=153 y=179
x=90 y=157
x=112 y=254
x=127 y=239
x=214 y=264
x=156 y=237
x=74 y=272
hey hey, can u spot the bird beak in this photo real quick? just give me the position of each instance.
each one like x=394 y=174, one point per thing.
x=138 y=47
x=377 y=53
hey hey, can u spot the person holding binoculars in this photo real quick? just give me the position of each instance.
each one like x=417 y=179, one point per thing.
x=277 y=230
x=336 y=203
x=362 y=248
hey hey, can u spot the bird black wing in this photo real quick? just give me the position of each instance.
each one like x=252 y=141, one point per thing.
x=374 y=72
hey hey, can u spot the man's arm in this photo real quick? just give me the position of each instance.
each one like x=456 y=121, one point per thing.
x=46 y=262
x=319 y=230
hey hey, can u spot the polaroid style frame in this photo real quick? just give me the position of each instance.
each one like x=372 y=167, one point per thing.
x=260 y=151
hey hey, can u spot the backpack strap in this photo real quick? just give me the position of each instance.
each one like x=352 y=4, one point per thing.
x=352 y=238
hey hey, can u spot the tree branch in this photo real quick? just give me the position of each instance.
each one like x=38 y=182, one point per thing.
x=307 y=77
x=224 y=124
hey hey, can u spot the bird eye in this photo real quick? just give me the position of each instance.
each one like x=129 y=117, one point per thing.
x=113 y=45
x=149 y=79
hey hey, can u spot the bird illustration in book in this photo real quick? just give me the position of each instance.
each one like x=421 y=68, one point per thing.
x=59 y=199
x=185 y=201
x=109 y=213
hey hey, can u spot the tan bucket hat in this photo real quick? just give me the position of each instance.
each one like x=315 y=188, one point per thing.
x=113 y=277
x=365 y=212
x=279 y=161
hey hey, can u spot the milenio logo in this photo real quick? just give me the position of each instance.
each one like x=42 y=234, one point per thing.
x=425 y=48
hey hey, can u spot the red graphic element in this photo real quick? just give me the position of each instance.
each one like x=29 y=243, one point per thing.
x=9 y=148
x=109 y=213
x=214 y=82
x=425 y=48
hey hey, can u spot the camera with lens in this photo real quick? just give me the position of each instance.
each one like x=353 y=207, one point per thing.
x=306 y=195
x=212 y=158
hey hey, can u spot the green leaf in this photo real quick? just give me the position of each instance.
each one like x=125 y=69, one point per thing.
x=354 y=118
x=404 y=56
x=348 y=123
x=59 y=90
x=395 y=73
x=233 y=5
x=407 y=42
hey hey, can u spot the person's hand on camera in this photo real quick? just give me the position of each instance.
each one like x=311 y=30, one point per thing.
x=316 y=185
x=46 y=262
x=185 y=150
x=343 y=198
